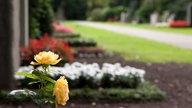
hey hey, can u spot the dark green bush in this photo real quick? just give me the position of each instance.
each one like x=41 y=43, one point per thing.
x=104 y=14
x=145 y=92
x=120 y=81
x=96 y=15
x=40 y=18
x=75 y=9
x=67 y=35
x=80 y=42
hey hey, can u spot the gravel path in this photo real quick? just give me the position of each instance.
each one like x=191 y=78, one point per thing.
x=179 y=40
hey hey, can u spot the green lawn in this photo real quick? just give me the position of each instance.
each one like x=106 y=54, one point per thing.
x=147 y=26
x=133 y=48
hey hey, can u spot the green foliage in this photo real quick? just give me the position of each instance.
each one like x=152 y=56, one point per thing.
x=145 y=92
x=36 y=74
x=96 y=15
x=75 y=9
x=103 y=14
x=45 y=84
x=66 y=36
x=40 y=18
x=120 y=81
x=28 y=75
x=17 y=98
x=100 y=10
x=81 y=42
x=147 y=7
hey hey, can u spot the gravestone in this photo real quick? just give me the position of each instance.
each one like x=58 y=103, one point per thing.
x=171 y=18
x=9 y=42
x=154 y=18
x=165 y=16
x=189 y=14
x=60 y=13
x=123 y=17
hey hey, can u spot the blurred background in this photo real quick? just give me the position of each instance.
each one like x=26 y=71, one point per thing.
x=115 y=53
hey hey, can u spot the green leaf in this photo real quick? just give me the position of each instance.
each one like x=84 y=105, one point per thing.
x=33 y=82
x=49 y=87
x=32 y=76
x=40 y=74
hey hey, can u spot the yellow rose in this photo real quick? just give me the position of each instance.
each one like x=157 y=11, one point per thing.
x=47 y=58
x=61 y=91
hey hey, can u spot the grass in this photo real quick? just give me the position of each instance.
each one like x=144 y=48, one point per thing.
x=134 y=48
x=187 y=31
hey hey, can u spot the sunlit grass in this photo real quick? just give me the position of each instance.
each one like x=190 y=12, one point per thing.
x=134 y=48
x=186 y=30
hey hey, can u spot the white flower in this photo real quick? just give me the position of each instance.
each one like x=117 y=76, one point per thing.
x=75 y=70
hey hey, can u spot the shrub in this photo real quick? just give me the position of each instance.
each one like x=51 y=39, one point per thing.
x=144 y=92
x=40 y=18
x=91 y=53
x=67 y=35
x=45 y=43
x=61 y=28
x=75 y=9
x=78 y=42
x=96 y=15
x=107 y=13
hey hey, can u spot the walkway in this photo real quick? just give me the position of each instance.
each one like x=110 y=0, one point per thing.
x=179 y=40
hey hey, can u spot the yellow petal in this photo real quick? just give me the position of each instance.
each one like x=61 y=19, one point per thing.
x=34 y=63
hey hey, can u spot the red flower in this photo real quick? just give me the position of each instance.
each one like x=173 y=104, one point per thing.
x=46 y=43
x=179 y=23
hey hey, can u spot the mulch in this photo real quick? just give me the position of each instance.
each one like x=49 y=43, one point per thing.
x=173 y=78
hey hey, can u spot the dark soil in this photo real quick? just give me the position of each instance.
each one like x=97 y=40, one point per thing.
x=173 y=78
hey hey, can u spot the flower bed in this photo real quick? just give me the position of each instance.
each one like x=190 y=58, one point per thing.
x=67 y=35
x=80 y=42
x=61 y=28
x=92 y=76
x=90 y=82
x=179 y=23
x=92 y=53
x=46 y=43
x=145 y=92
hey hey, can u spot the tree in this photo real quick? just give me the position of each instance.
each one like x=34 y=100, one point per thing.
x=40 y=18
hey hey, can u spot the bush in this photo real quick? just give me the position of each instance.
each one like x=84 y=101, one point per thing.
x=106 y=13
x=67 y=35
x=40 y=18
x=96 y=15
x=144 y=92
x=143 y=13
x=61 y=28
x=75 y=9
x=92 y=53
x=78 y=42
x=45 y=43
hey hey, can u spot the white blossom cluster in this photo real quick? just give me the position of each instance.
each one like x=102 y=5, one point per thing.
x=76 y=69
